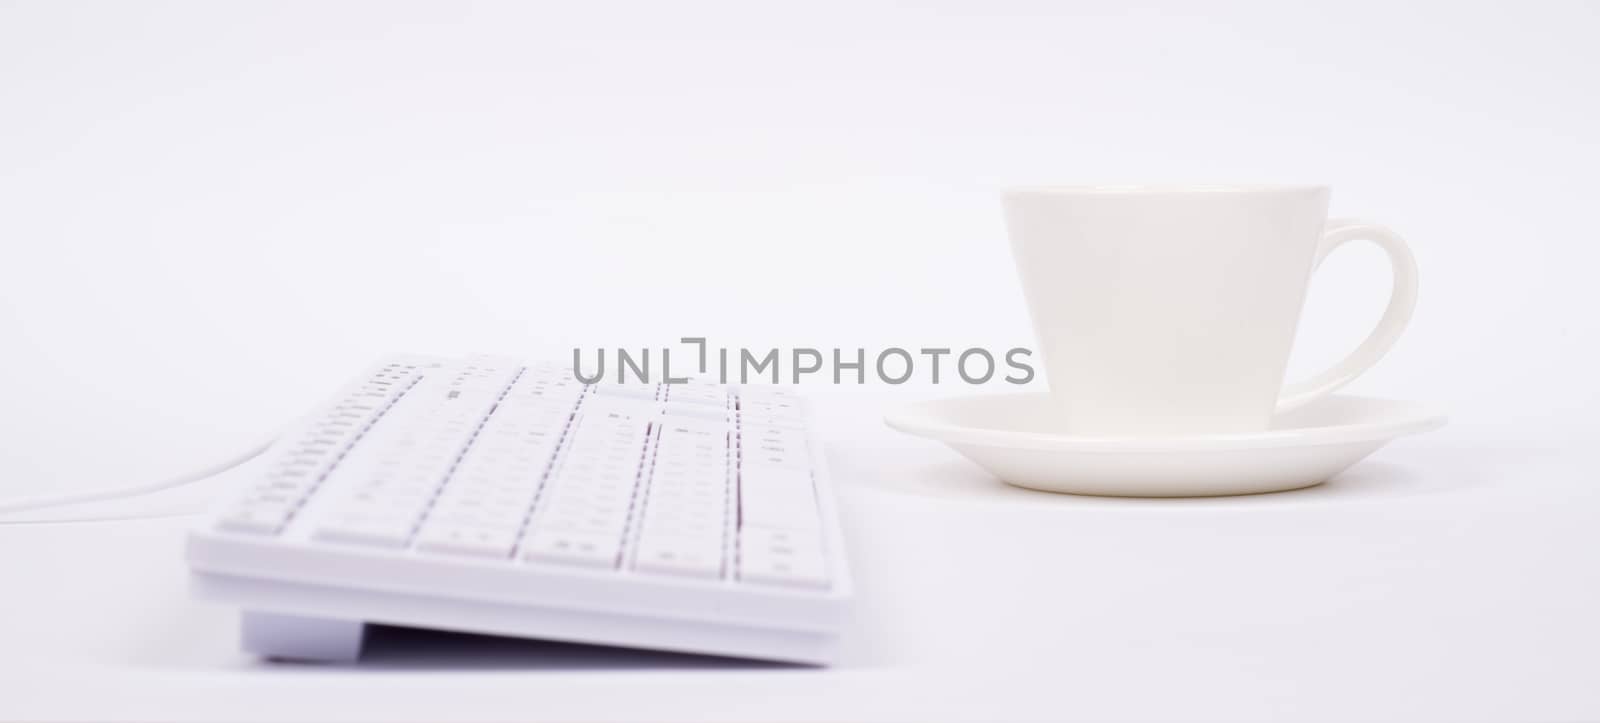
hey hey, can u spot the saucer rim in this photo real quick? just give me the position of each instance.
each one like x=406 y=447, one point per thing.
x=911 y=418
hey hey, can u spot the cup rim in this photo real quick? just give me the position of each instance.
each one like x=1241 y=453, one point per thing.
x=1160 y=189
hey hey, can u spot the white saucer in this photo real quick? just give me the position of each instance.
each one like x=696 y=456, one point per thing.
x=1010 y=436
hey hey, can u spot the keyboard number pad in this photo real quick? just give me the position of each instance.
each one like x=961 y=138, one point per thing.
x=482 y=508
x=582 y=513
x=686 y=511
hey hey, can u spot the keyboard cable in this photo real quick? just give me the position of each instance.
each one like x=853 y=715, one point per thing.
x=34 y=504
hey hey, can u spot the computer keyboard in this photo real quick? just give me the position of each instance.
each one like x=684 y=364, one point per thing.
x=484 y=495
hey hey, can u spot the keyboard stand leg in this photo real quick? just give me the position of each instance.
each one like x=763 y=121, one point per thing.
x=292 y=637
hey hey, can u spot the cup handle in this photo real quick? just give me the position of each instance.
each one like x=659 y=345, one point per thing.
x=1402 y=300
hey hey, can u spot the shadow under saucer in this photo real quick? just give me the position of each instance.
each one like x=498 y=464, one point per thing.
x=929 y=472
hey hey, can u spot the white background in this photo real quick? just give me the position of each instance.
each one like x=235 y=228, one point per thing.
x=213 y=213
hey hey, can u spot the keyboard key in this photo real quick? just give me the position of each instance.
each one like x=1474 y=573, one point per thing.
x=634 y=390
x=770 y=406
x=468 y=540
x=695 y=410
x=704 y=395
x=782 y=557
x=766 y=393
x=626 y=406
x=775 y=447
x=777 y=498
x=367 y=528
x=508 y=517
x=586 y=549
x=752 y=419
x=548 y=383
x=688 y=556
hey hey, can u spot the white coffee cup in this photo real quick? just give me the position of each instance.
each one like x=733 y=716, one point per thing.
x=1165 y=310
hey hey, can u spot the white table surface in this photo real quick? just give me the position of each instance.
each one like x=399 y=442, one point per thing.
x=1443 y=578
x=211 y=214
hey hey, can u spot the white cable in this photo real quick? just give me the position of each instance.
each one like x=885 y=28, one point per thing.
x=174 y=514
x=38 y=503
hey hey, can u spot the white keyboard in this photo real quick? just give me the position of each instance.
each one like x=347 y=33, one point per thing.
x=482 y=495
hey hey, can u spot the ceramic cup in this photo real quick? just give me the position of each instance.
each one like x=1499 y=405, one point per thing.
x=1169 y=310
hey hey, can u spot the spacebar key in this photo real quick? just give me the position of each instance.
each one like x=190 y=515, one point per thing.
x=363 y=529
